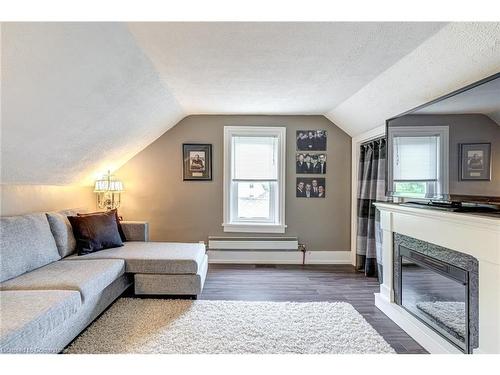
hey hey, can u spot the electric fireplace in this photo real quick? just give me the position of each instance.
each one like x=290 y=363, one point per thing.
x=438 y=286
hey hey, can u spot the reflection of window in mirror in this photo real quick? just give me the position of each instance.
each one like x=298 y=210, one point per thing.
x=419 y=167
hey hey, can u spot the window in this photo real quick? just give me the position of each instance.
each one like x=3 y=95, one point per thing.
x=419 y=161
x=409 y=189
x=254 y=179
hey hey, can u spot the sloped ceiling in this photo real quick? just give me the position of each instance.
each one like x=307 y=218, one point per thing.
x=459 y=54
x=80 y=98
x=77 y=99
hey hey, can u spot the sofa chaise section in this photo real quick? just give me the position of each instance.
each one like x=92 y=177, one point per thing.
x=175 y=284
x=154 y=257
x=162 y=268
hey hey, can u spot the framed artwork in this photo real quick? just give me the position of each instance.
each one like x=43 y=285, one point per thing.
x=197 y=162
x=475 y=161
x=310 y=163
x=313 y=187
x=311 y=140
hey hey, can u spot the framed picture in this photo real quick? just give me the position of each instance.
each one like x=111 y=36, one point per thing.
x=310 y=163
x=197 y=161
x=313 y=187
x=475 y=161
x=311 y=140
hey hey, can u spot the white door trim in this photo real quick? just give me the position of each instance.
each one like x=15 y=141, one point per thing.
x=356 y=142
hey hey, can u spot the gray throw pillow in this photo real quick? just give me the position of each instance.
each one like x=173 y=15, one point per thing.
x=62 y=231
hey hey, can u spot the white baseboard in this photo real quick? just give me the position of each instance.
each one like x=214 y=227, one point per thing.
x=278 y=257
x=328 y=257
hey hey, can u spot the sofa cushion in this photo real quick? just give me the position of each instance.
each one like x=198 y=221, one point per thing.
x=95 y=232
x=89 y=277
x=62 y=231
x=27 y=244
x=154 y=257
x=28 y=316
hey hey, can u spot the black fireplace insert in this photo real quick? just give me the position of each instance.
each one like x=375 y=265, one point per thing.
x=438 y=286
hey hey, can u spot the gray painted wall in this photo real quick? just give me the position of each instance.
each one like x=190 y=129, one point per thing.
x=192 y=210
x=466 y=128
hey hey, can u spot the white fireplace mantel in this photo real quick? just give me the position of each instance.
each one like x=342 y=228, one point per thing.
x=476 y=235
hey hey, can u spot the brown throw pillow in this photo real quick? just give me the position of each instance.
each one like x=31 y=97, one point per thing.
x=120 y=229
x=94 y=232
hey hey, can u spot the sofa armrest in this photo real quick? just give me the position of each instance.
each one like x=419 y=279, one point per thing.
x=135 y=230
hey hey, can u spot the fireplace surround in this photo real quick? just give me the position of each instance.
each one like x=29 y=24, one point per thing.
x=438 y=286
x=477 y=236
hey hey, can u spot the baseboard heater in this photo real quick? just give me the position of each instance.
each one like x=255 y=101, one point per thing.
x=253 y=243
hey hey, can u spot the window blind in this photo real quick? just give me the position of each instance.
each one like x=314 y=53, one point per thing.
x=254 y=158
x=416 y=158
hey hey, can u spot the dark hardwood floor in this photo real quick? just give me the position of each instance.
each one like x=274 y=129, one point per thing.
x=306 y=283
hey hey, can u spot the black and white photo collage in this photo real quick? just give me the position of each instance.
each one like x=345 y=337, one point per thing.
x=311 y=159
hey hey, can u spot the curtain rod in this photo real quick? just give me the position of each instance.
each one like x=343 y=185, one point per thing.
x=373 y=140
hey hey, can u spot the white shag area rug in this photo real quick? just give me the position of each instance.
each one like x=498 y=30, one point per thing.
x=451 y=315
x=191 y=327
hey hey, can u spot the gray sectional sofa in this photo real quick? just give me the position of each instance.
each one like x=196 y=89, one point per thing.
x=48 y=294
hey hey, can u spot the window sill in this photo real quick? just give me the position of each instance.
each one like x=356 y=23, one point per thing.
x=254 y=228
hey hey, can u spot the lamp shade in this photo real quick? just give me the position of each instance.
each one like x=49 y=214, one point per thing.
x=108 y=184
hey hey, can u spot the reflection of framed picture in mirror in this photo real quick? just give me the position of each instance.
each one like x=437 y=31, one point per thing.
x=475 y=161
x=197 y=161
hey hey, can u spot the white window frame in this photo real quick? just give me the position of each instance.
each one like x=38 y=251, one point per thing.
x=421 y=131
x=250 y=226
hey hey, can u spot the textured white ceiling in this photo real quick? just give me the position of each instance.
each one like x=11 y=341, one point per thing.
x=273 y=68
x=79 y=98
x=457 y=55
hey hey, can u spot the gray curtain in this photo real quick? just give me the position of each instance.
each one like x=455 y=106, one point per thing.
x=371 y=189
